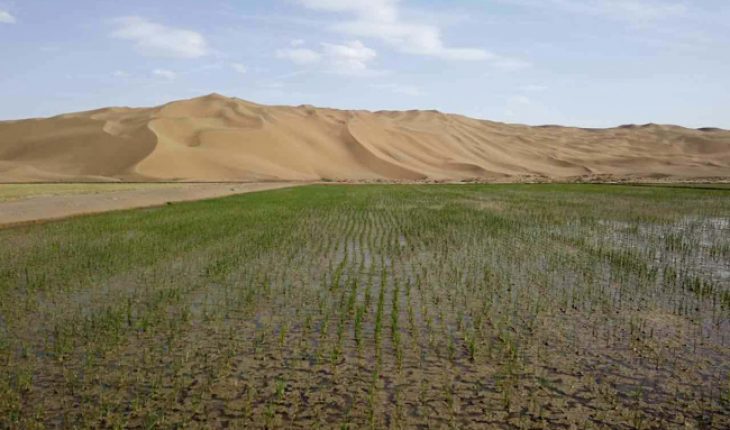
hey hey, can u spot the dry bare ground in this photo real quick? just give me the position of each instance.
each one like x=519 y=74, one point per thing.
x=42 y=202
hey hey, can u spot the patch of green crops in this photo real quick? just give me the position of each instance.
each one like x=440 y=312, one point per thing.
x=377 y=306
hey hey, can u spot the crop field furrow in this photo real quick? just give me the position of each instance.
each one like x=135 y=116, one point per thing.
x=530 y=306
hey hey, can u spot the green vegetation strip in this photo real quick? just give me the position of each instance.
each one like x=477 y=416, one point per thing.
x=515 y=306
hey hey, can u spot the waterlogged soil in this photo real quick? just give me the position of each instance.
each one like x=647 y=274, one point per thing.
x=531 y=306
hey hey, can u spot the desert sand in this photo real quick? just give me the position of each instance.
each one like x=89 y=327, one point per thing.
x=215 y=138
x=50 y=206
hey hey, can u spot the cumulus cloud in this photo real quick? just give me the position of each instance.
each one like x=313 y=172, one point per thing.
x=6 y=17
x=382 y=20
x=376 y=10
x=165 y=74
x=157 y=40
x=350 y=58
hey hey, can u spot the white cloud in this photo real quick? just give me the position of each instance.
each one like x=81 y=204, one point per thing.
x=349 y=58
x=240 y=68
x=158 y=40
x=6 y=17
x=120 y=74
x=381 y=19
x=407 y=90
x=165 y=74
x=372 y=9
x=297 y=42
x=299 y=56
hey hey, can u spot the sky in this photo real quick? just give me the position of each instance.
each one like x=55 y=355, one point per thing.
x=589 y=63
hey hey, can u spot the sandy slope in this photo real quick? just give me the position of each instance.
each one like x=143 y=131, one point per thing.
x=215 y=138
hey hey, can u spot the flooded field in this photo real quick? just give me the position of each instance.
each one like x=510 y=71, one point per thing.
x=449 y=306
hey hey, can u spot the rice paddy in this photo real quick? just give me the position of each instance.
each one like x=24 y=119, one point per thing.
x=379 y=306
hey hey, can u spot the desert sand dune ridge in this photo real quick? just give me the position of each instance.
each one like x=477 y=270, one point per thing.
x=215 y=138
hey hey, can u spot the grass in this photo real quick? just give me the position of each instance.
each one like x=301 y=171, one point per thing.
x=515 y=306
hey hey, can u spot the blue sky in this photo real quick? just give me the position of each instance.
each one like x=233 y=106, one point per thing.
x=594 y=63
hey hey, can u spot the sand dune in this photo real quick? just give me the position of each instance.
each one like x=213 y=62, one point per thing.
x=214 y=138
